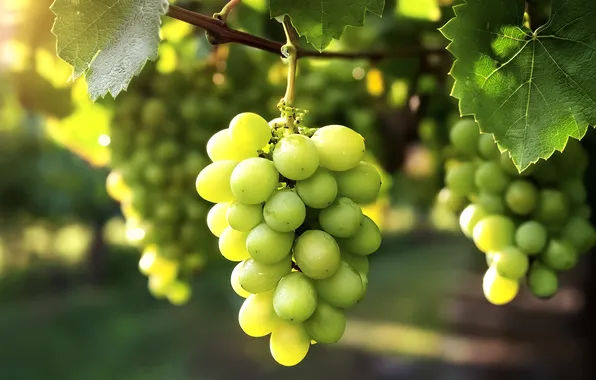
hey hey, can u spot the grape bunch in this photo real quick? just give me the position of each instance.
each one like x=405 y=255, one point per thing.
x=287 y=209
x=154 y=159
x=531 y=225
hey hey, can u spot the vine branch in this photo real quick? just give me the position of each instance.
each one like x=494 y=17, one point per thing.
x=219 y=33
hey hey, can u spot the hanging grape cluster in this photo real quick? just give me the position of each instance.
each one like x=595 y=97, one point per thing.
x=531 y=226
x=287 y=210
x=156 y=152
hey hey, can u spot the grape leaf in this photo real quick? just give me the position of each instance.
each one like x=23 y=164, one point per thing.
x=532 y=90
x=107 y=40
x=321 y=21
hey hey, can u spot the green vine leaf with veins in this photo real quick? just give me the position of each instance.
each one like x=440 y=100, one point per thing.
x=108 y=40
x=532 y=90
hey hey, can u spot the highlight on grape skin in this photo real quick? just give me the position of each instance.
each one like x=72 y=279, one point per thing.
x=296 y=280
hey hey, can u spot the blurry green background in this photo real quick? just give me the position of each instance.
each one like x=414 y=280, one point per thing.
x=74 y=306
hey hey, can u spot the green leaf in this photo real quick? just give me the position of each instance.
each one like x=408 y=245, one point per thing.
x=533 y=90
x=321 y=21
x=108 y=40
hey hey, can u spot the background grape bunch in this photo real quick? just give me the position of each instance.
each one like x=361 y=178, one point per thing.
x=287 y=210
x=532 y=225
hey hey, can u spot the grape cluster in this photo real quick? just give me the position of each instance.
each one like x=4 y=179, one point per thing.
x=287 y=210
x=154 y=159
x=531 y=225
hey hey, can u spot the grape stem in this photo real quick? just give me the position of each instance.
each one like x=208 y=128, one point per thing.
x=225 y=11
x=219 y=33
x=289 y=51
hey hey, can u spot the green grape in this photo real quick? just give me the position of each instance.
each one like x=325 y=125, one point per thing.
x=493 y=233
x=450 y=200
x=167 y=151
x=464 y=136
x=498 y=290
x=327 y=324
x=154 y=112
x=531 y=237
x=155 y=174
x=243 y=217
x=364 y=279
x=235 y=281
x=559 y=255
x=289 y=343
x=216 y=218
x=361 y=183
x=470 y=217
x=295 y=297
x=487 y=147
x=342 y=218
x=232 y=245
x=507 y=164
x=194 y=162
x=490 y=178
x=344 y=289
x=284 y=211
x=460 y=179
x=268 y=246
x=213 y=182
x=165 y=212
x=542 y=281
x=580 y=233
x=510 y=262
x=491 y=203
x=521 y=197
x=575 y=191
x=178 y=293
x=250 y=130
x=254 y=180
x=553 y=207
x=358 y=262
x=339 y=147
x=317 y=254
x=256 y=316
x=256 y=277
x=367 y=239
x=318 y=191
x=296 y=157
x=221 y=147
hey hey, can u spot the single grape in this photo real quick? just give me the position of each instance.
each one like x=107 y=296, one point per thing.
x=450 y=200
x=531 y=237
x=490 y=178
x=339 y=147
x=250 y=130
x=553 y=207
x=256 y=316
x=318 y=191
x=152 y=264
x=284 y=211
x=521 y=197
x=153 y=113
x=295 y=297
x=213 y=182
x=117 y=188
x=254 y=180
x=178 y=293
x=493 y=233
x=358 y=262
x=216 y=218
x=235 y=281
x=289 y=343
x=367 y=239
x=361 y=183
x=487 y=147
x=470 y=217
x=256 y=277
x=296 y=157
x=221 y=147
x=510 y=262
x=342 y=218
x=344 y=289
x=460 y=179
x=542 y=281
x=268 y=246
x=559 y=255
x=580 y=233
x=575 y=191
x=155 y=174
x=232 y=245
x=317 y=254
x=491 y=203
x=464 y=136
x=243 y=217
x=327 y=324
x=498 y=290
x=167 y=151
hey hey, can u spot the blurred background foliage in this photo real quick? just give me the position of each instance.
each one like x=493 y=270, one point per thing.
x=74 y=306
